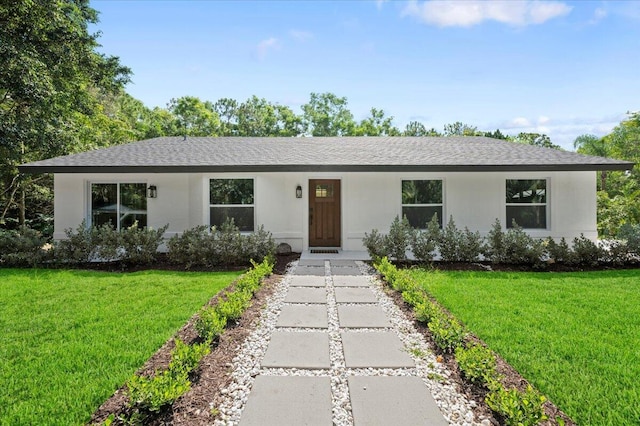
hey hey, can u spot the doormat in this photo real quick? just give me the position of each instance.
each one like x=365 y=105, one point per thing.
x=319 y=251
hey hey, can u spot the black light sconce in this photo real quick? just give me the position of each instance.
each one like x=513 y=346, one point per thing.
x=152 y=191
x=298 y=191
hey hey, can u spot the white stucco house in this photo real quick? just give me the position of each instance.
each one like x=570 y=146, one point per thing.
x=318 y=193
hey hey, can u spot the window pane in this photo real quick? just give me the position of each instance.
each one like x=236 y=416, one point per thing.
x=526 y=191
x=418 y=217
x=133 y=205
x=324 y=190
x=242 y=216
x=527 y=216
x=104 y=204
x=421 y=192
x=231 y=191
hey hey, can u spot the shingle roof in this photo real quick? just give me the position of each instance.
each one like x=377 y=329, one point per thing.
x=255 y=154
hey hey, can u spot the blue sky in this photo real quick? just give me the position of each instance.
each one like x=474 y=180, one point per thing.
x=563 y=68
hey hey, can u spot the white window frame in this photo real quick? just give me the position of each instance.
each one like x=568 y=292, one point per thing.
x=545 y=205
x=441 y=204
x=89 y=214
x=253 y=205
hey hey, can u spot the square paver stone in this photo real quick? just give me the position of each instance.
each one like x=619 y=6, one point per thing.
x=343 y=262
x=288 y=401
x=309 y=270
x=307 y=281
x=362 y=317
x=381 y=349
x=306 y=295
x=401 y=401
x=308 y=349
x=354 y=295
x=311 y=262
x=345 y=270
x=311 y=316
x=351 y=281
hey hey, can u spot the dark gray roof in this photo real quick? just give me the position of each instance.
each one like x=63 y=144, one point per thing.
x=234 y=154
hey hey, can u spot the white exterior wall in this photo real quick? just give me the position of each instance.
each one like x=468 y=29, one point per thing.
x=369 y=200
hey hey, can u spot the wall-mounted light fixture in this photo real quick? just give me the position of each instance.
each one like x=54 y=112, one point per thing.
x=298 y=191
x=152 y=191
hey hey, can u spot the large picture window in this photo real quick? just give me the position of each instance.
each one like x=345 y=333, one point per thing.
x=232 y=198
x=421 y=199
x=120 y=204
x=526 y=201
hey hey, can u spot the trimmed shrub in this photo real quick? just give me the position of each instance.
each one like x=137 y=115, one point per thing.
x=585 y=252
x=23 y=247
x=471 y=246
x=140 y=246
x=520 y=248
x=375 y=244
x=426 y=310
x=631 y=235
x=495 y=249
x=155 y=393
x=447 y=332
x=210 y=324
x=424 y=243
x=477 y=363
x=398 y=241
x=558 y=252
x=449 y=242
x=516 y=407
x=185 y=358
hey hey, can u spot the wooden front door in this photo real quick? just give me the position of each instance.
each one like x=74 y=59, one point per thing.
x=324 y=213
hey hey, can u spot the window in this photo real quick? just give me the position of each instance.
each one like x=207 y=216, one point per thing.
x=421 y=199
x=121 y=204
x=232 y=198
x=527 y=203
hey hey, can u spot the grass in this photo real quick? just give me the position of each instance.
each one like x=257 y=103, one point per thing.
x=575 y=336
x=69 y=339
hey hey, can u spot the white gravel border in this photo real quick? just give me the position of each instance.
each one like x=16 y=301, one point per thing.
x=456 y=407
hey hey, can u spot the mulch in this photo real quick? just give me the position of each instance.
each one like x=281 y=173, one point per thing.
x=214 y=371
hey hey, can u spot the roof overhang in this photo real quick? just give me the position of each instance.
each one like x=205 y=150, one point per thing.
x=34 y=169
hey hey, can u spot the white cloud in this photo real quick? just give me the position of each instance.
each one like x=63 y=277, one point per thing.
x=598 y=15
x=266 y=46
x=301 y=36
x=473 y=12
x=517 y=122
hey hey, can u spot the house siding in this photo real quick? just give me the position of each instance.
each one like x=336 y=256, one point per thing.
x=369 y=200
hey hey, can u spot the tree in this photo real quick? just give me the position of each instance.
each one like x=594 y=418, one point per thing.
x=461 y=129
x=327 y=115
x=227 y=110
x=258 y=117
x=536 y=139
x=376 y=125
x=51 y=80
x=496 y=135
x=593 y=145
x=194 y=117
x=415 y=128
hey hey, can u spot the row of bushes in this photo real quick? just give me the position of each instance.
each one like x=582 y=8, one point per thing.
x=152 y=394
x=513 y=246
x=196 y=247
x=477 y=363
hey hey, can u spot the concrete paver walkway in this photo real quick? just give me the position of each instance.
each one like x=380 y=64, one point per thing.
x=372 y=357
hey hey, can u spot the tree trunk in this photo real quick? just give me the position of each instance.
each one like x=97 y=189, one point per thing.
x=22 y=205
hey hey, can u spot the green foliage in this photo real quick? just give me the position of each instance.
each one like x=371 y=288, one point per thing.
x=459 y=246
x=447 y=332
x=496 y=250
x=559 y=252
x=426 y=310
x=518 y=408
x=375 y=244
x=477 y=363
x=198 y=247
x=585 y=252
x=185 y=358
x=424 y=243
x=155 y=393
x=327 y=115
x=398 y=240
x=630 y=234
x=210 y=323
x=132 y=245
x=24 y=247
x=235 y=304
x=515 y=246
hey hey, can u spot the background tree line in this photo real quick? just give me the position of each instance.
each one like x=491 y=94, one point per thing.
x=58 y=96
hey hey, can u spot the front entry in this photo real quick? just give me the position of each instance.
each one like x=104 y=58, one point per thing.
x=324 y=213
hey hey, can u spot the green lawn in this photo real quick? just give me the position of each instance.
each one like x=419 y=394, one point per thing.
x=575 y=336
x=69 y=339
